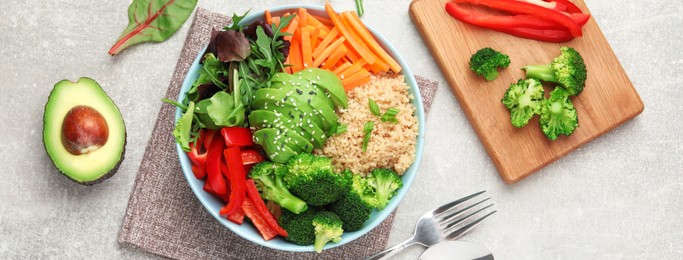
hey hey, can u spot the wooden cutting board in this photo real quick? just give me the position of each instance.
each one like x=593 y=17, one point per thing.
x=607 y=101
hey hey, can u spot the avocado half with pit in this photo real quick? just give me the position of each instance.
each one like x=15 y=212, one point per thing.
x=83 y=131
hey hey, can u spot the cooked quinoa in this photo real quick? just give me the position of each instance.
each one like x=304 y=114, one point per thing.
x=391 y=145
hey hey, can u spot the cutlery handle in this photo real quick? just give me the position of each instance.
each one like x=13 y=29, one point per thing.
x=392 y=251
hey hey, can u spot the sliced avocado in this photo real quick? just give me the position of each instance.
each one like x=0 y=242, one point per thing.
x=303 y=112
x=268 y=98
x=328 y=81
x=277 y=151
x=83 y=131
x=306 y=89
x=311 y=135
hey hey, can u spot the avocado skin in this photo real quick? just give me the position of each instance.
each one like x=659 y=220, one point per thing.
x=115 y=168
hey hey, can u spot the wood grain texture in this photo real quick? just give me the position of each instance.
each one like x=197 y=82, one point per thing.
x=608 y=100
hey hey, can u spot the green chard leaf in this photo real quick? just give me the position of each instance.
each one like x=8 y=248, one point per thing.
x=153 y=20
x=183 y=127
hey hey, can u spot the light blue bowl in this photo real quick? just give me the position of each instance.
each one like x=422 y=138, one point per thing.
x=249 y=232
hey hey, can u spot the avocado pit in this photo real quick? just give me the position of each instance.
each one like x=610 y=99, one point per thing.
x=84 y=130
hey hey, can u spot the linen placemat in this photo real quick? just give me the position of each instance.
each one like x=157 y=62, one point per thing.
x=165 y=218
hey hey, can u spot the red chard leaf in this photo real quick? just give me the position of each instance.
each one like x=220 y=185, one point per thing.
x=153 y=20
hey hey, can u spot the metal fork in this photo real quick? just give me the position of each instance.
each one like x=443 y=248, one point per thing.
x=442 y=224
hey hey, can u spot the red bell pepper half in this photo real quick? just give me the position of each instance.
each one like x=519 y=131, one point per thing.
x=237 y=136
x=237 y=177
x=517 y=7
x=250 y=210
x=494 y=22
x=255 y=197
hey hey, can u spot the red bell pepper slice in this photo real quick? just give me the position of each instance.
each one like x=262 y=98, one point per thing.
x=199 y=171
x=195 y=156
x=208 y=189
x=255 y=197
x=553 y=5
x=237 y=177
x=516 y=7
x=546 y=35
x=251 y=157
x=237 y=136
x=571 y=7
x=237 y=217
x=250 y=210
x=208 y=137
x=213 y=167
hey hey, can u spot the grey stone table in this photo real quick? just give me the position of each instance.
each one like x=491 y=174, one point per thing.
x=618 y=197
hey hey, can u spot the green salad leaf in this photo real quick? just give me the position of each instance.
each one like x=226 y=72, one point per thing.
x=183 y=127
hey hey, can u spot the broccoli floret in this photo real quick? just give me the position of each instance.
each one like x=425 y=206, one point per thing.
x=355 y=207
x=268 y=179
x=558 y=115
x=385 y=183
x=313 y=179
x=568 y=70
x=485 y=62
x=299 y=227
x=328 y=227
x=523 y=99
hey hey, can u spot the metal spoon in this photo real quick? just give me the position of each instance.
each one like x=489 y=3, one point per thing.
x=457 y=250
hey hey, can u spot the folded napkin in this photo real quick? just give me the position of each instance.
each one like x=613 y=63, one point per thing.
x=165 y=218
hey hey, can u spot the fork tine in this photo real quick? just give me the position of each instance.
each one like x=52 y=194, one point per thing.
x=461 y=231
x=440 y=210
x=449 y=215
x=447 y=223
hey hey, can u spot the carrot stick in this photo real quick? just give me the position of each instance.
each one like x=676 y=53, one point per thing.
x=315 y=22
x=352 y=55
x=307 y=59
x=303 y=16
x=378 y=66
x=326 y=21
x=276 y=20
x=336 y=55
x=356 y=24
x=269 y=17
x=327 y=51
x=315 y=39
x=356 y=76
x=293 y=25
x=358 y=65
x=328 y=39
x=357 y=83
x=356 y=44
x=295 y=56
x=338 y=70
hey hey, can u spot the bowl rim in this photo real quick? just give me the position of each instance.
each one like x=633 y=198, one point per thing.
x=377 y=216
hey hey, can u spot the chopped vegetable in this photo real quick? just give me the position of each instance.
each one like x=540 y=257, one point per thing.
x=261 y=209
x=390 y=115
x=182 y=129
x=558 y=115
x=568 y=69
x=352 y=208
x=299 y=227
x=374 y=108
x=385 y=183
x=328 y=228
x=257 y=220
x=485 y=62
x=233 y=158
x=367 y=132
x=523 y=99
x=312 y=178
x=268 y=178
x=359 y=7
